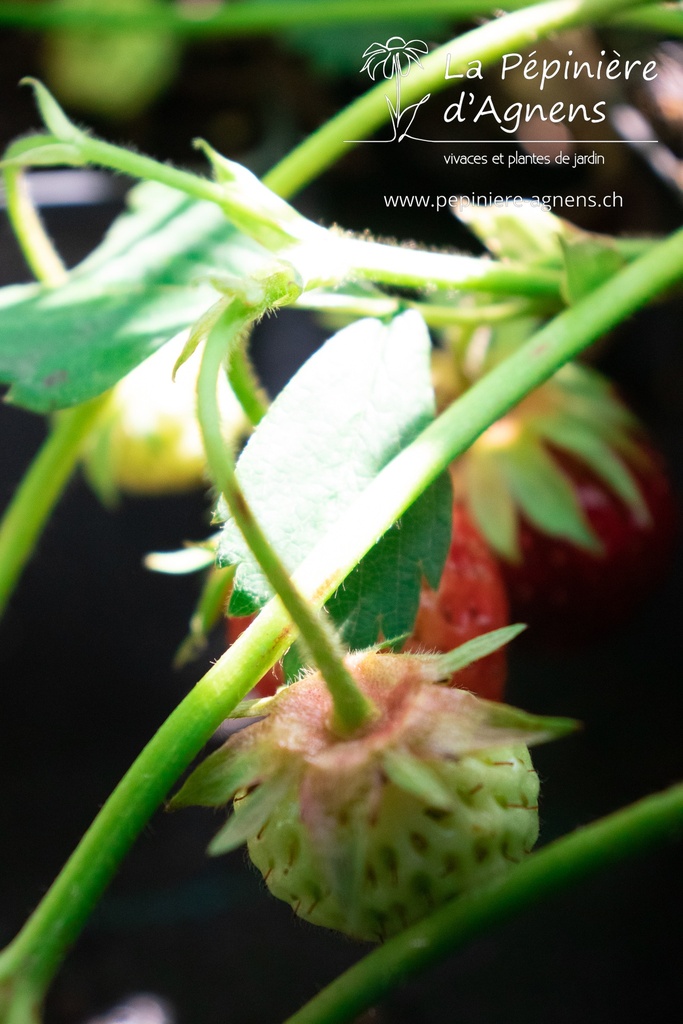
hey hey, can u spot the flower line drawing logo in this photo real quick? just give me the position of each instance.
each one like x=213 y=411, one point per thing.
x=395 y=58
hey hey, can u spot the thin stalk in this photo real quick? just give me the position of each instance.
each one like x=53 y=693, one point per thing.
x=39 y=491
x=392 y=264
x=47 y=935
x=345 y=306
x=358 y=257
x=207 y=20
x=488 y=43
x=352 y=710
x=630 y=832
x=245 y=384
x=39 y=252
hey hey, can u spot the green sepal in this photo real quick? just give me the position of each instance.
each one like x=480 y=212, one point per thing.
x=209 y=611
x=256 y=209
x=416 y=777
x=257 y=707
x=476 y=724
x=544 y=493
x=217 y=779
x=338 y=822
x=584 y=443
x=528 y=233
x=478 y=647
x=589 y=261
x=492 y=506
x=244 y=824
x=52 y=114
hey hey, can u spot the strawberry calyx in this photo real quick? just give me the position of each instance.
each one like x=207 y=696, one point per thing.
x=516 y=470
x=289 y=773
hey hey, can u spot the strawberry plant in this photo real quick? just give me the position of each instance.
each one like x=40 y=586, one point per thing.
x=371 y=526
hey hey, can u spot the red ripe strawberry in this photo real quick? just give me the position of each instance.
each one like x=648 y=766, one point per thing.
x=575 y=503
x=471 y=600
x=564 y=590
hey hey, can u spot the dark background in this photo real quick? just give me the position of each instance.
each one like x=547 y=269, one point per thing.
x=87 y=643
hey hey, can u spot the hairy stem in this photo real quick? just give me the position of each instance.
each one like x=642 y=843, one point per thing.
x=39 y=491
x=651 y=822
x=352 y=710
x=245 y=384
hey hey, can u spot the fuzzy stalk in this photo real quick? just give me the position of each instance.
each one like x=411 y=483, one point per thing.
x=352 y=710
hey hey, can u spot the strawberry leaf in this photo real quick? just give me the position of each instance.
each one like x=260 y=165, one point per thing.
x=145 y=283
x=368 y=392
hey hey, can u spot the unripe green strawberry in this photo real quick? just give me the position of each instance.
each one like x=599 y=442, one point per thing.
x=369 y=833
x=417 y=854
x=148 y=440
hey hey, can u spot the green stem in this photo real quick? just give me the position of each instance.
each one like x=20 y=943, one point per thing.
x=487 y=44
x=245 y=384
x=394 y=265
x=651 y=822
x=39 y=948
x=41 y=256
x=367 y=260
x=45 y=938
x=340 y=304
x=39 y=492
x=352 y=710
x=208 y=20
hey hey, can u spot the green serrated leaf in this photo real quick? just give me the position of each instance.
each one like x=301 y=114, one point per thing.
x=543 y=492
x=144 y=284
x=368 y=392
x=382 y=595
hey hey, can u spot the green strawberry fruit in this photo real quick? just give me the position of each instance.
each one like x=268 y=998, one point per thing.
x=148 y=441
x=367 y=834
x=417 y=853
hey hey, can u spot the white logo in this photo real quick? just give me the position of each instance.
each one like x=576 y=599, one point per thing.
x=395 y=58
